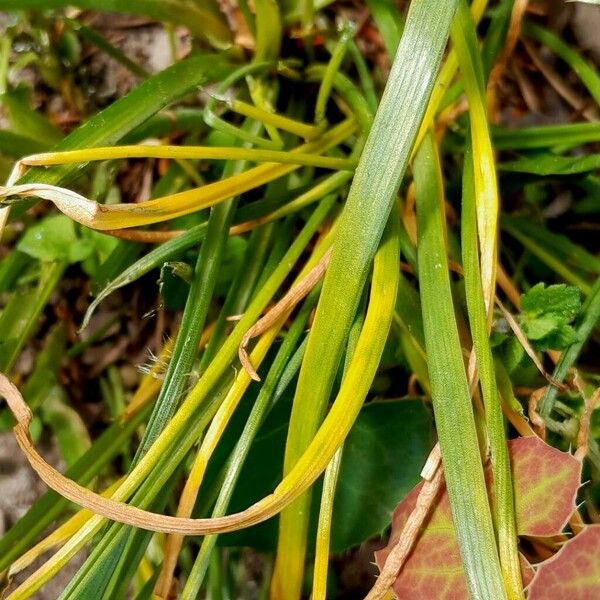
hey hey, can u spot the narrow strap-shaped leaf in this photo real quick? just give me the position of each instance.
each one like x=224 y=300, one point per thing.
x=453 y=410
x=330 y=480
x=389 y=22
x=546 y=136
x=443 y=95
x=188 y=152
x=123 y=116
x=586 y=71
x=201 y=20
x=504 y=512
x=369 y=203
x=485 y=180
x=19 y=318
x=268 y=30
x=480 y=222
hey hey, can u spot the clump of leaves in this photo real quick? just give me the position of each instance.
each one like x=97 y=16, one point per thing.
x=318 y=287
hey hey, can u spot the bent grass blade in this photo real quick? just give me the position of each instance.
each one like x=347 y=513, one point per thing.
x=336 y=426
x=372 y=193
x=118 y=216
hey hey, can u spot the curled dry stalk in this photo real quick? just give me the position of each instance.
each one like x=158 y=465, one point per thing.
x=313 y=462
x=295 y=295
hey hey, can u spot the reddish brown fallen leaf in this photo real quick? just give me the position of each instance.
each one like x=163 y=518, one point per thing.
x=546 y=482
x=527 y=570
x=573 y=573
x=433 y=569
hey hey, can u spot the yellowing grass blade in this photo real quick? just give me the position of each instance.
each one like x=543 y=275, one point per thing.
x=119 y=216
x=312 y=463
x=445 y=77
x=504 y=508
x=486 y=184
x=369 y=204
x=189 y=152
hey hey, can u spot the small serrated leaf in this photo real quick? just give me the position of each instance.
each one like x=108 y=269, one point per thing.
x=546 y=481
x=546 y=484
x=546 y=314
x=574 y=572
x=561 y=300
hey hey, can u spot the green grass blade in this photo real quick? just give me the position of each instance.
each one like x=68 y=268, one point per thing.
x=545 y=136
x=192 y=323
x=110 y=49
x=546 y=252
x=337 y=56
x=15 y=145
x=373 y=190
x=389 y=22
x=322 y=549
x=364 y=74
x=545 y=165
x=19 y=318
x=26 y=121
x=586 y=71
x=268 y=30
x=480 y=224
x=573 y=255
x=330 y=481
x=201 y=21
x=450 y=390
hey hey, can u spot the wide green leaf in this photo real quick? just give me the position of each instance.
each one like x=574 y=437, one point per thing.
x=379 y=465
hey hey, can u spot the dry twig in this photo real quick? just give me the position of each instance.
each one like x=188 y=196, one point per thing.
x=433 y=475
